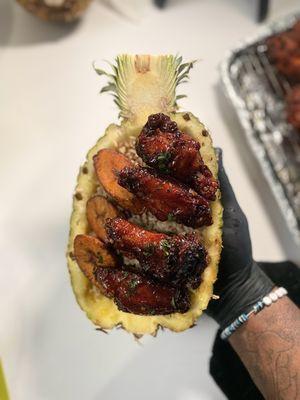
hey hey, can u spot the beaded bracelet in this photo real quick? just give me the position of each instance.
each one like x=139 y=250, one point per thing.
x=266 y=301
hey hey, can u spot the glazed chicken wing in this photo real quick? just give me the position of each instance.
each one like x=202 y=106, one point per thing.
x=177 y=259
x=293 y=107
x=284 y=52
x=281 y=46
x=166 y=198
x=164 y=147
x=139 y=295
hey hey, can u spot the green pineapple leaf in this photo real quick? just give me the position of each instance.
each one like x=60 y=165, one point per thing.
x=143 y=85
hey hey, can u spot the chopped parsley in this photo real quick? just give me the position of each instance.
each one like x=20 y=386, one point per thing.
x=163 y=161
x=173 y=302
x=165 y=246
x=99 y=259
x=171 y=217
x=132 y=285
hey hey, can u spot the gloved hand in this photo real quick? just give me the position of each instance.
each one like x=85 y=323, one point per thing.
x=240 y=283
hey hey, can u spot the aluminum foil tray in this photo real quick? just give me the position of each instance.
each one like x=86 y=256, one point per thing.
x=258 y=94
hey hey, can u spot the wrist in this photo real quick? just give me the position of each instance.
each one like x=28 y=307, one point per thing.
x=267 y=301
x=245 y=288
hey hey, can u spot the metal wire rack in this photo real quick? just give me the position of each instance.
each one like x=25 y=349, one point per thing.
x=258 y=93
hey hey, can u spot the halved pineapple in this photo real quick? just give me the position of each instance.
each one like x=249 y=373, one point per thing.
x=143 y=85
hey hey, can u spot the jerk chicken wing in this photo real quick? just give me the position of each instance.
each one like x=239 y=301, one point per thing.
x=131 y=292
x=284 y=52
x=139 y=295
x=166 y=198
x=163 y=146
x=293 y=107
x=177 y=259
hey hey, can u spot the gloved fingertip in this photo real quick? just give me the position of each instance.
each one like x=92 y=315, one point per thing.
x=219 y=153
x=228 y=196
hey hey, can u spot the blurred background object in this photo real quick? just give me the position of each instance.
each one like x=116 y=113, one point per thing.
x=262 y=10
x=70 y=10
x=160 y=3
x=56 y=10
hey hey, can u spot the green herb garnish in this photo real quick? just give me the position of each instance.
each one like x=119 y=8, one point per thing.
x=133 y=285
x=165 y=246
x=173 y=302
x=171 y=217
x=100 y=259
x=163 y=161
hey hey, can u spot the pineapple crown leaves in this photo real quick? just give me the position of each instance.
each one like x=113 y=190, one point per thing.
x=182 y=74
x=111 y=86
x=172 y=72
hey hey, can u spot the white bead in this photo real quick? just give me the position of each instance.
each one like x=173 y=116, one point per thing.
x=273 y=296
x=281 y=292
x=284 y=291
x=267 y=301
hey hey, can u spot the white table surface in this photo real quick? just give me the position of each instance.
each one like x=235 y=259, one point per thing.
x=50 y=114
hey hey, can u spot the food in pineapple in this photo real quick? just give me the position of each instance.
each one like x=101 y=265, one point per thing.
x=90 y=253
x=174 y=259
x=162 y=146
x=98 y=210
x=293 y=107
x=56 y=10
x=130 y=291
x=166 y=198
x=284 y=52
x=137 y=294
x=108 y=163
x=143 y=85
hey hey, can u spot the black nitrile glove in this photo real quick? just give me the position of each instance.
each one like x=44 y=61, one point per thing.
x=240 y=283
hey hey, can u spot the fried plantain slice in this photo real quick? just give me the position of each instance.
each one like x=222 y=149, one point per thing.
x=108 y=163
x=90 y=254
x=98 y=210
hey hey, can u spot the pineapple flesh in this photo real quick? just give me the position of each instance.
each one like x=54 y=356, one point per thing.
x=143 y=85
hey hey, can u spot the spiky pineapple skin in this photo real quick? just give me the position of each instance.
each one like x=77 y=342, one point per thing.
x=101 y=310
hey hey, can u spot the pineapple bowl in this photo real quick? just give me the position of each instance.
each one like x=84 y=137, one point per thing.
x=143 y=85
